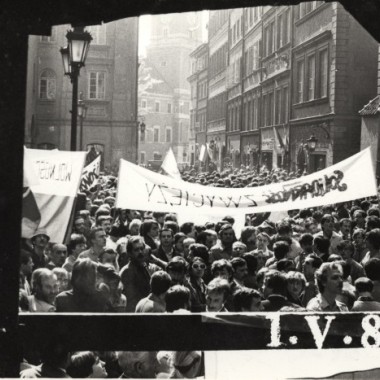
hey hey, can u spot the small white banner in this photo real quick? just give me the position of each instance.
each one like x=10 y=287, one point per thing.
x=169 y=166
x=142 y=189
x=90 y=175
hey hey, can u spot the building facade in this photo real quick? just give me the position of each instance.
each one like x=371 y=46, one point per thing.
x=164 y=92
x=199 y=91
x=107 y=84
x=293 y=73
x=217 y=89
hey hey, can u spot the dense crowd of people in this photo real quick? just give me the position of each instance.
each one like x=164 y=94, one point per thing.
x=322 y=259
x=58 y=362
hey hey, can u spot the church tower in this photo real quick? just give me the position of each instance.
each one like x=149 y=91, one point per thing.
x=173 y=37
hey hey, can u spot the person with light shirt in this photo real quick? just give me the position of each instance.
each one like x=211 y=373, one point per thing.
x=330 y=284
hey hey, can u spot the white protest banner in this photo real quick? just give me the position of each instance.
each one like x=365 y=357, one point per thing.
x=52 y=192
x=169 y=165
x=90 y=175
x=141 y=189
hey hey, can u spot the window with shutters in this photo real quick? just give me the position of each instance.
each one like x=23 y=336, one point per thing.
x=96 y=85
x=47 y=90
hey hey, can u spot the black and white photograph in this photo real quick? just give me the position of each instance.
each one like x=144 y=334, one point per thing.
x=192 y=192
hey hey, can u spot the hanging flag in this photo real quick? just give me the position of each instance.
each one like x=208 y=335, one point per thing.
x=279 y=138
x=169 y=165
x=90 y=175
x=203 y=154
x=51 y=182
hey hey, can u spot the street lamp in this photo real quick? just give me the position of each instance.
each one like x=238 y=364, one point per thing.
x=311 y=143
x=73 y=58
x=140 y=127
x=82 y=112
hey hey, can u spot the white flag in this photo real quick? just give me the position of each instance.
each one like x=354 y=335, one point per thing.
x=169 y=166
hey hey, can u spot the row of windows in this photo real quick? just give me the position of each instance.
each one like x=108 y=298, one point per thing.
x=276 y=103
x=252 y=16
x=202 y=90
x=236 y=31
x=251 y=108
x=305 y=8
x=234 y=72
x=252 y=58
x=217 y=19
x=183 y=107
x=275 y=111
x=312 y=76
x=153 y=135
x=199 y=64
x=216 y=107
x=218 y=61
x=95 y=80
x=282 y=30
x=234 y=111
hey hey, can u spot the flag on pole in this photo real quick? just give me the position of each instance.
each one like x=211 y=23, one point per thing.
x=90 y=175
x=169 y=166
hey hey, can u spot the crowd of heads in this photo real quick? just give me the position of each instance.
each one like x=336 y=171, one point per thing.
x=118 y=260
x=57 y=361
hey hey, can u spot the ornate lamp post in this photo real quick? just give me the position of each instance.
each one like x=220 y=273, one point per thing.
x=73 y=58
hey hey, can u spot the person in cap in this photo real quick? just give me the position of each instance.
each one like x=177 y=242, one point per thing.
x=40 y=242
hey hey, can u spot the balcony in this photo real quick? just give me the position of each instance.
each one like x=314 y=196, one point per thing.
x=276 y=65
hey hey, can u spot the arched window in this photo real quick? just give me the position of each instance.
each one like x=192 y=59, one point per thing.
x=47 y=85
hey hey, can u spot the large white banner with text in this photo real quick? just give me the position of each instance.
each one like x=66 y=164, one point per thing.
x=51 y=182
x=142 y=189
